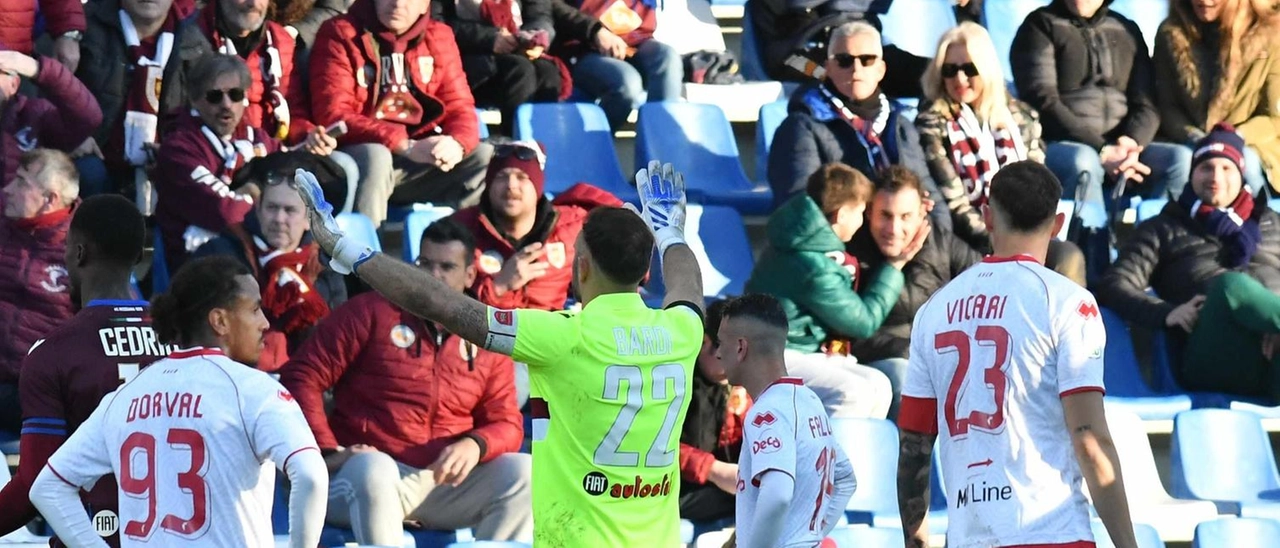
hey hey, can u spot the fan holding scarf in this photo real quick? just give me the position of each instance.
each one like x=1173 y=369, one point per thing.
x=1213 y=260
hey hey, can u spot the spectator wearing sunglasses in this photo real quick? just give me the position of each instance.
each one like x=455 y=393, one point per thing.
x=524 y=240
x=395 y=77
x=61 y=118
x=847 y=118
x=1086 y=70
x=200 y=155
x=970 y=127
x=298 y=287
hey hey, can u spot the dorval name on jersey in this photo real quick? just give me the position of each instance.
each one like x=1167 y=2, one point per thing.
x=992 y=354
x=788 y=431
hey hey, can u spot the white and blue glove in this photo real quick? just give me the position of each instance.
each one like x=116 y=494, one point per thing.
x=347 y=252
x=662 y=202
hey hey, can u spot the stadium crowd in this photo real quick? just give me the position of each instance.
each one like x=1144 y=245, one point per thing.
x=200 y=110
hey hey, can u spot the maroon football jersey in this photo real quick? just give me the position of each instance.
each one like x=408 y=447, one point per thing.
x=68 y=372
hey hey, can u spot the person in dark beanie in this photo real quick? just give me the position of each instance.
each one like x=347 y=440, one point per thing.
x=524 y=240
x=1213 y=260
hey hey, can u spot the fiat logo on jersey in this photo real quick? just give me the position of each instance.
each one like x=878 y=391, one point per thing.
x=767 y=444
x=106 y=523
x=595 y=483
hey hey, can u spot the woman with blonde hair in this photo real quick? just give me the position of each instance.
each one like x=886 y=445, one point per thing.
x=970 y=127
x=1219 y=61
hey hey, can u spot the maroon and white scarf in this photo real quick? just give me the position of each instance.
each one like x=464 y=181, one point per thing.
x=272 y=74
x=978 y=150
x=142 y=102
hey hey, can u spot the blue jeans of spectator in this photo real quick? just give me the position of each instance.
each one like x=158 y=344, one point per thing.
x=94 y=177
x=896 y=370
x=1075 y=163
x=655 y=73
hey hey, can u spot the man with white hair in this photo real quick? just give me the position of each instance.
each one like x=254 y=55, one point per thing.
x=34 y=291
x=847 y=118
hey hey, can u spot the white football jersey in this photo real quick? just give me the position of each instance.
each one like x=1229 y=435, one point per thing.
x=992 y=354
x=788 y=430
x=192 y=440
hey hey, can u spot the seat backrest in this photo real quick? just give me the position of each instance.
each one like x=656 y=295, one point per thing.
x=1141 y=477
x=1274 y=204
x=719 y=241
x=872 y=448
x=1237 y=533
x=751 y=65
x=484 y=129
x=916 y=25
x=1221 y=455
x=578 y=141
x=415 y=223
x=937 y=483
x=359 y=226
x=694 y=137
x=1002 y=19
x=688 y=26
x=771 y=116
x=1150 y=208
x=1147 y=536
x=1147 y=14
x=1121 y=371
x=866 y=537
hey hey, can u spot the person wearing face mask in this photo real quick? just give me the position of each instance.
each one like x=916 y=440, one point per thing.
x=847 y=118
x=298 y=289
x=894 y=217
x=1212 y=258
x=61 y=118
x=524 y=241
x=1216 y=61
x=827 y=299
x=1086 y=70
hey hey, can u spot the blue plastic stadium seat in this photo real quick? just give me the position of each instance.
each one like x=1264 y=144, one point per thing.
x=1274 y=204
x=872 y=448
x=698 y=141
x=686 y=531
x=937 y=494
x=422 y=217
x=484 y=129
x=334 y=536
x=1002 y=18
x=9 y=445
x=1237 y=533
x=1148 y=14
x=916 y=25
x=1224 y=456
x=750 y=65
x=719 y=241
x=771 y=116
x=1126 y=387
x=1150 y=208
x=866 y=537
x=359 y=226
x=159 y=266
x=1147 y=536
x=579 y=146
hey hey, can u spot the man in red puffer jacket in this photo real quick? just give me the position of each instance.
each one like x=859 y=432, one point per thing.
x=64 y=21
x=395 y=78
x=34 y=294
x=524 y=241
x=424 y=425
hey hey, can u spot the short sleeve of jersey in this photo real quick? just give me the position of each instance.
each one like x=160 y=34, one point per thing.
x=770 y=436
x=39 y=393
x=1081 y=342
x=85 y=456
x=534 y=337
x=278 y=428
x=685 y=318
x=919 y=408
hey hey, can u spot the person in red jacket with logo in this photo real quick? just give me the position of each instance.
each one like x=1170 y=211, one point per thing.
x=34 y=289
x=424 y=425
x=394 y=76
x=524 y=240
x=62 y=118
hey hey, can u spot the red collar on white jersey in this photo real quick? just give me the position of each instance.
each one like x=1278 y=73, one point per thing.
x=1018 y=257
x=786 y=380
x=195 y=351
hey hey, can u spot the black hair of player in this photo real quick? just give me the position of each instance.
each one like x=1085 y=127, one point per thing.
x=111 y=228
x=760 y=307
x=181 y=313
x=620 y=243
x=448 y=230
x=711 y=326
x=1025 y=194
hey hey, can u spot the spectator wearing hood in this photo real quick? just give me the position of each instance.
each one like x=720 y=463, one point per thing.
x=395 y=78
x=1212 y=258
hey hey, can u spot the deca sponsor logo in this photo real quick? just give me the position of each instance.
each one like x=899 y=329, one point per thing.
x=766 y=445
x=595 y=484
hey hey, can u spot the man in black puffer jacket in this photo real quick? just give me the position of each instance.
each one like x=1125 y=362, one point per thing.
x=846 y=118
x=1213 y=259
x=1087 y=71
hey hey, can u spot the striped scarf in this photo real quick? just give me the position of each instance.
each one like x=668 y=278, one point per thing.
x=978 y=151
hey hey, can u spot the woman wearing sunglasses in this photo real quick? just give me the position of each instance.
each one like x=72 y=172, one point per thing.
x=970 y=127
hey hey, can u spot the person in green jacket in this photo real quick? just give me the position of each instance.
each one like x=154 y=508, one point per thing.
x=826 y=299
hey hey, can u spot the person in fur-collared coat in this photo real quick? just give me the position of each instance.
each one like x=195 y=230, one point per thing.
x=1221 y=63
